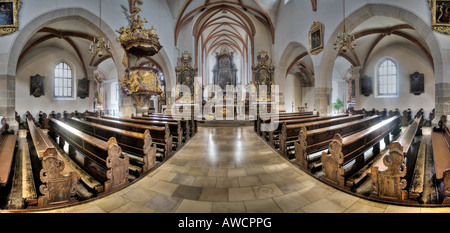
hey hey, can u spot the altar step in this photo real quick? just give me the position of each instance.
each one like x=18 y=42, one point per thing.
x=224 y=123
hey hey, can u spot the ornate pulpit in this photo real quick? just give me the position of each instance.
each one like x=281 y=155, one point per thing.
x=139 y=82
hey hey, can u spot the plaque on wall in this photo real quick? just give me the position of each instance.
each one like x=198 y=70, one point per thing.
x=417 y=83
x=366 y=85
x=83 y=88
x=36 y=85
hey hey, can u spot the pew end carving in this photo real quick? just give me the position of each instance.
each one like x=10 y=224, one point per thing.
x=149 y=152
x=117 y=164
x=332 y=163
x=388 y=183
x=56 y=188
x=301 y=156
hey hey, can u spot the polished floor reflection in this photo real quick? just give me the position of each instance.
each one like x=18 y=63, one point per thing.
x=227 y=169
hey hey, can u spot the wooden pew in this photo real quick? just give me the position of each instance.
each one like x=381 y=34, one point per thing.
x=406 y=117
x=267 y=119
x=343 y=150
x=175 y=128
x=135 y=144
x=391 y=173
x=274 y=135
x=189 y=125
x=103 y=159
x=160 y=135
x=193 y=120
x=59 y=181
x=289 y=133
x=257 y=121
x=8 y=141
x=441 y=153
x=314 y=139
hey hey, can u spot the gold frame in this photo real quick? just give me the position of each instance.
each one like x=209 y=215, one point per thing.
x=316 y=27
x=438 y=26
x=10 y=28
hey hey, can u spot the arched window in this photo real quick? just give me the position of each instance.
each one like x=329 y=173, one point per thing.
x=63 y=80
x=387 y=78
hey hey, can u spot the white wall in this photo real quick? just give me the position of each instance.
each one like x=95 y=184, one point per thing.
x=42 y=62
x=409 y=60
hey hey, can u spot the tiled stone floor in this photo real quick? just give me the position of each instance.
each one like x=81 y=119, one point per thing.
x=232 y=170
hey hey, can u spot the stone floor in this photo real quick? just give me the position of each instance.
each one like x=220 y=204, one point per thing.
x=227 y=169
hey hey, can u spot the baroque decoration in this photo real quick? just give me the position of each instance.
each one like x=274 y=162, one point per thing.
x=263 y=75
x=139 y=82
x=440 y=16
x=9 y=16
x=186 y=74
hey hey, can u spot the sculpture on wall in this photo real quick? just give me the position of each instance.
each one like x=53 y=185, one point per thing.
x=185 y=72
x=263 y=72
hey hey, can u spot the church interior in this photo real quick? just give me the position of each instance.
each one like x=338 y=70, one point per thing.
x=224 y=106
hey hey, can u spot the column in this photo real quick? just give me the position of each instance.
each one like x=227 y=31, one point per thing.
x=8 y=101
x=323 y=96
x=356 y=75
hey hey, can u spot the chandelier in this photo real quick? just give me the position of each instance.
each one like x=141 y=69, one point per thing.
x=344 y=40
x=99 y=46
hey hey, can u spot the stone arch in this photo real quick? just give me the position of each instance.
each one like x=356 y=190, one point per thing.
x=80 y=14
x=370 y=10
x=294 y=56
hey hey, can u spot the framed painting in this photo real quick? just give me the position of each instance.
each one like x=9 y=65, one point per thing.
x=440 y=15
x=9 y=16
x=316 y=38
x=366 y=85
x=36 y=85
x=83 y=88
x=417 y=83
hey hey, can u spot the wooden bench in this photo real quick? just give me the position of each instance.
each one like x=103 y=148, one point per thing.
x=176 y=129
x=160 y=135
x=189 y=126
x=406 y=117
x=274 y=135
x=59 y=181
x=267 y=119
x=193 y=122
x=135 y=144
x=103 y=159
x=392 y=172
x=289 y=133
x=343 y=150
x=441 y=153
x=257 y=121
x=8 y=141
x=312 y=140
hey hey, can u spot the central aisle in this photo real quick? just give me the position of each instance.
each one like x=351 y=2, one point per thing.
x=228 y=169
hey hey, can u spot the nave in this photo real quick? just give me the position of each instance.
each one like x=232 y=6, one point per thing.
x=231 y=169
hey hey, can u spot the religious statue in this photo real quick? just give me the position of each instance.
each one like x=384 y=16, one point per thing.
x=99 y=81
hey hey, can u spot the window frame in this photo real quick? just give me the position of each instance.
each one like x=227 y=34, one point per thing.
x=72 y=78
x=378 y=82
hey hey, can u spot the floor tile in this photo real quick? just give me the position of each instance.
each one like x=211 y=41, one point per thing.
x=262 y=206
x=187 y=192
x=241 y=194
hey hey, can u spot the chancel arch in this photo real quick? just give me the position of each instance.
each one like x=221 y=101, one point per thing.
x=413 y=31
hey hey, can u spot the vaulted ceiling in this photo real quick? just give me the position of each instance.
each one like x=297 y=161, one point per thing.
x=224 y=25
